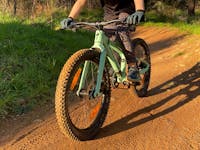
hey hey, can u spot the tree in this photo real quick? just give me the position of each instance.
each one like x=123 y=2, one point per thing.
x=15 y=7
x=191 y=7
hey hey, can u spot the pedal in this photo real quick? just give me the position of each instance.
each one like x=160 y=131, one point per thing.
x=136 y=83
x=126 y=83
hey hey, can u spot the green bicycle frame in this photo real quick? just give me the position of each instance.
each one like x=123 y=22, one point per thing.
x=106 y=47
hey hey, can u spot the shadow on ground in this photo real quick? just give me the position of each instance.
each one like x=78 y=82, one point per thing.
x=190 y=78
x=165 y=43
x=164 y=38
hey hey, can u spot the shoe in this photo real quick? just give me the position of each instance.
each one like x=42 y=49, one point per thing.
x=133 y=74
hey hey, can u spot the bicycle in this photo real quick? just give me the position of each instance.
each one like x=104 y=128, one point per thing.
x=84 y=86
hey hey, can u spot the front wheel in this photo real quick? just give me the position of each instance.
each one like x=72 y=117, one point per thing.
x=142 y=54
x=80 y=116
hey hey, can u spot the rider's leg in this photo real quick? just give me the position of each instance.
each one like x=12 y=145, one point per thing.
x=133 y=73
x=112 y=36
x=124 y=39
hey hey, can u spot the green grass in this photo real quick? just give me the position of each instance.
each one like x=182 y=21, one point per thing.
x=31 y=57
x=178 y=20
x=89 y=15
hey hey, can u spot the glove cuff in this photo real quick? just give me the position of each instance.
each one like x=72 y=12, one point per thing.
x=72 y=19
x=141 y=10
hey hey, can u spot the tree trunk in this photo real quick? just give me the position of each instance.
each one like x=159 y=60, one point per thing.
x=8 y=3
x=191 y=7
x=33 y=9
x=15 y=7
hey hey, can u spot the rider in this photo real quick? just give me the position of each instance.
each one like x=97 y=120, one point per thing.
x=132 y=10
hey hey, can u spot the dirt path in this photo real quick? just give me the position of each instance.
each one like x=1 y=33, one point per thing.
x=169 y=118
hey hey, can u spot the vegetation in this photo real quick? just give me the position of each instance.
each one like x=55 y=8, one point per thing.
x=177 y=19
x=32 y=8
x=31 y=57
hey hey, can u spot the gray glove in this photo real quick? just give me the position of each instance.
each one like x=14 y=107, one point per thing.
x=135 y=18
x=66 y=23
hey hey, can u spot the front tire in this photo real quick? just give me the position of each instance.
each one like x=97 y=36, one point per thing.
x=79 y=117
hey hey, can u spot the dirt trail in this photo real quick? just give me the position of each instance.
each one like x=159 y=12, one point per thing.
x=169 y=118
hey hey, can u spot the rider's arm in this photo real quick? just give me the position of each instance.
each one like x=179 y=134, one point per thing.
x=76 y=9
x=139 y=5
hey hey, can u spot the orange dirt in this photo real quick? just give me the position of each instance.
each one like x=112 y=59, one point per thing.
x=169 y=118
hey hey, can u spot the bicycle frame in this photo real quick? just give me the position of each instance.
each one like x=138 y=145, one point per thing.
x=106 y=48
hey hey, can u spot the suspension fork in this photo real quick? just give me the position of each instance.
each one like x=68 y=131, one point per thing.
x=100 y=40
x=83 y=76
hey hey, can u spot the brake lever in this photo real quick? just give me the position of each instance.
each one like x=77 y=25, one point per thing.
x=131 y=27
x=71 y=27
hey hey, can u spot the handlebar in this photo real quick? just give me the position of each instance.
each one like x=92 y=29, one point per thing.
x=100 y=25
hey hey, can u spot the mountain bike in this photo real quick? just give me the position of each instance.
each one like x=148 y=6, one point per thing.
x=84 y=85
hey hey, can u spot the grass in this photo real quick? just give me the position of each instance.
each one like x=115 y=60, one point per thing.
x=31 y=57
x=177 y=20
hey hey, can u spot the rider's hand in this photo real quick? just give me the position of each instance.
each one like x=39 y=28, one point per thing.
x=66 y=23
x=136 y=17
